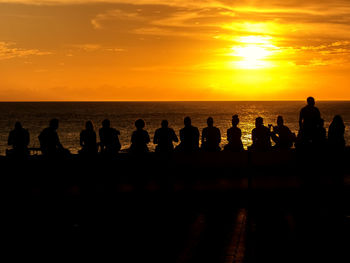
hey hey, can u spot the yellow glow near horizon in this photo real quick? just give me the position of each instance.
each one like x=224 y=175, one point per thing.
x=253 y=52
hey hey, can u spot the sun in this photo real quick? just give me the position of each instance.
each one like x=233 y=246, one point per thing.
x=253 y=52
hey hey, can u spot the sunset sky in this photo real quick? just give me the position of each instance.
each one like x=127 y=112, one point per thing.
x=174 y=50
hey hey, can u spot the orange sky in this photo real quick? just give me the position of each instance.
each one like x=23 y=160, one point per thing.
x=174 y=50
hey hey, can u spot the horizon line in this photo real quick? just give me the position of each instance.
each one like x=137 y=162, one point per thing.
x=282 y=100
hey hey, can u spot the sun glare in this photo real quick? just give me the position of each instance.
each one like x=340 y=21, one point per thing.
x=253 y=52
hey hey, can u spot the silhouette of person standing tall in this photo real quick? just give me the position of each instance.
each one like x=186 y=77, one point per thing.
x=109 y=139
x=211 y=137
x=139 y=138
x=189 y=137
x=164 y=138
x=309 y=122
x=88 y=140
x=336 y=132
x=19 y=140
x=49 y=141
x=261 y=136
x=234 y=135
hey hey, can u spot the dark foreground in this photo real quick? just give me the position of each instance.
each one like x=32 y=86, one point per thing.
x=219 y=207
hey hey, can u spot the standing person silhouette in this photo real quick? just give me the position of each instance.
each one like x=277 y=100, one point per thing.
x=164 y=138
x=19 y=140
x=309 y=121
x=261 y=136
x=211 y=137
x=50 y=143
x=189 y=137
x=234 y=135
x=88 y=140
x=109 y=139
x=336 y=132
x=140 y=138
x=282 y=135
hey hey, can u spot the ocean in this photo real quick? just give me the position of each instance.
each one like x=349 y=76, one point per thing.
x=35 y=116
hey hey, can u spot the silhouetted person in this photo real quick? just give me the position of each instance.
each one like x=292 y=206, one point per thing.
x=320 y=140
x=49 y=141
x=19 y=140
x=164 y=138
x=139 y=138
x=309 y=121
x=234 y=135
x=282 y=135
x=109 y=139
x=336 y=132
x=189 y=137
x=211 y=137
x=261 y=136
x=88 y=140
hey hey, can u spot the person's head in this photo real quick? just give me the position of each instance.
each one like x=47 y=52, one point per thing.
x=235 y=120
x=280 y=121
x=210 y=122
x=89 y=125
x=106 y=123
x=310 y=101
x=338 y=120
x=259 y=121
x=140 y=124
x=54 y=124
x=18 y=125
x=187 y=121
x=164 y=124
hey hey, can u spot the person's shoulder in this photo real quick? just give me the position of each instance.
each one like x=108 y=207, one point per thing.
x=116 y=131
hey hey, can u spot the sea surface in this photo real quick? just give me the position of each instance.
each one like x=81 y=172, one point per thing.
x=35 y=116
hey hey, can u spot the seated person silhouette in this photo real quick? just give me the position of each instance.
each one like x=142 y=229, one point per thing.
x=49 y=141
x=309 y=120
x=336 y=132
x=19 y=140
x=189 y=137
x=234 y=135
x=164 y=138
x=139 y=138
x=211 y=137
x=282 y=135
x=109 y=139
x=88 y=140
x=320 y=139
x=261 y=136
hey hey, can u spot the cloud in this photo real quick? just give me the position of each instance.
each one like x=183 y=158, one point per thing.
x=8 y=51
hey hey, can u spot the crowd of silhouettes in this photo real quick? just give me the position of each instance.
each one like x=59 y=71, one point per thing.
x=312 y=135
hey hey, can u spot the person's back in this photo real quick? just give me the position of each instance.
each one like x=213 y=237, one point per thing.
x=49 y=140
x=164 y=138
x=19 y=139
x=140 y=138
x=261 y=136
x=234 y=135
x=189 y=137
x=336 y=132
x=282 y=135
x=309 y=119
x=88 y=140
x=109 y=138
x=211 y=137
